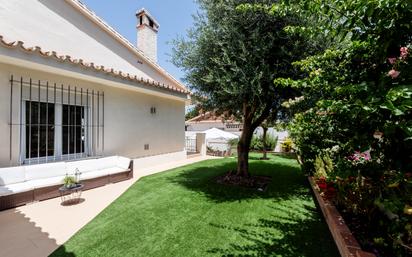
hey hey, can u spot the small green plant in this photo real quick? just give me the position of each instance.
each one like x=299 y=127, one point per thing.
x=271 y=142
x=323 y=166
x=257 y=143
x=69 y=181
x=233 y=145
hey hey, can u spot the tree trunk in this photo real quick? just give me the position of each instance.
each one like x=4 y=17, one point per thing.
x=265 y=129
x=249 y=126
x=243 y=150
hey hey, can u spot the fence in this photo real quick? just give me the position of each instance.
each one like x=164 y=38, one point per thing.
x=191 y=145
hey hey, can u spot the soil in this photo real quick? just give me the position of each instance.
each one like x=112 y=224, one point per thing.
x=259 y=183
x=363 y=233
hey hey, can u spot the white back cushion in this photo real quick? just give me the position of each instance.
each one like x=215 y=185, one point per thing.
x=47 y=170
x=123 y=162
x=83 y=166
x=12 y=175
x=107 y=162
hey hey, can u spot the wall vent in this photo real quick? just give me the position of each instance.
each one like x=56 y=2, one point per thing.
x=153 y=110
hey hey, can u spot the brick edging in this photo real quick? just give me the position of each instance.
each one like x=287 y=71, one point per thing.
x=347 y=244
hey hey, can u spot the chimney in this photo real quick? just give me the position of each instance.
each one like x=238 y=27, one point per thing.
x=147 y=28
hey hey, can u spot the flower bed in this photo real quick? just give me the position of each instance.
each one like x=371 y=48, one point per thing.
x=345 y=241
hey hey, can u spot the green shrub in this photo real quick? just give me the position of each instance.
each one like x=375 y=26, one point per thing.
x=271 y=142
x=287 y=145
x=257 y=143
x=323 y=166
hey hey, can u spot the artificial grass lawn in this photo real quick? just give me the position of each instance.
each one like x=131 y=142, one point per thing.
x=183 y=212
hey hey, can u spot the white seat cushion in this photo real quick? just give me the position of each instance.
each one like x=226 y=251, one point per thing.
x=47 y=170
x=107 y=162
x=83 y=166
x=46 y=182
x=123 y=162
x=93 y=174
x=16 y=188
x=114 y=170
x=12 y=175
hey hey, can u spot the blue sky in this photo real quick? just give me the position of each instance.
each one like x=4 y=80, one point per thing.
x=175 y=17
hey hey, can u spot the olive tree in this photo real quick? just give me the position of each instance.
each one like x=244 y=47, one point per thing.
x=233 y=54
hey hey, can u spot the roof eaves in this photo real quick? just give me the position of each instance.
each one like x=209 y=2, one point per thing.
x=19 y=45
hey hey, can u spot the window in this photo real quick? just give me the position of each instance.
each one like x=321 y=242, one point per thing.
x=141 y=20
x=41 y=134
x=54 y=122
x=151 y=24
x=73 y=129
x=39 y=129
x=54 y=131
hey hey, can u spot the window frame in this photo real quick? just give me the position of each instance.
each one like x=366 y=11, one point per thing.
x=58 y=136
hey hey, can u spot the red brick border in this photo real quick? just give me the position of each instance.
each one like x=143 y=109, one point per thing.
x=347 y=244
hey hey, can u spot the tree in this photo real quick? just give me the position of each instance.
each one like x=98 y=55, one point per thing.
x=357 y=114
x=233 y=54
x=195 y=111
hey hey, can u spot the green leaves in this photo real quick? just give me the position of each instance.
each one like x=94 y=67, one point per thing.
x=237 y=49
x=399 y=100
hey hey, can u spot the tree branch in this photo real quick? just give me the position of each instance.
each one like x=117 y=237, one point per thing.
x=263 y=116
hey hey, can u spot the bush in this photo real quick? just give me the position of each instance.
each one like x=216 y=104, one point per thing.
x=287 y=145
x=323 y=166
x=257 y=143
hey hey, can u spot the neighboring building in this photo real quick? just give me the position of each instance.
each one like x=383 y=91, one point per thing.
x=209 y=120
x=71 y=87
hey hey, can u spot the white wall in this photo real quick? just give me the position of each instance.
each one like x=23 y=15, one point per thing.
x=128 y=121
x=57 y=26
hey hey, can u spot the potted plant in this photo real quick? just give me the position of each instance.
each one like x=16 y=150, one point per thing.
x=69 y=181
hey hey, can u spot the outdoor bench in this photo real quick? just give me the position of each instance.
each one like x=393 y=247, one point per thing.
x=24 y=184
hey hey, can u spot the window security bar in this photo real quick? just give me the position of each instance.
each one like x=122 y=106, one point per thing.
x=56 y=122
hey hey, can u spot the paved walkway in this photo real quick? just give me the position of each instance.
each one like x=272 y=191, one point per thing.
x=37 y=229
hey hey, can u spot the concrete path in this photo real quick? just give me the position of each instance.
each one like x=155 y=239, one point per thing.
x=37 y=229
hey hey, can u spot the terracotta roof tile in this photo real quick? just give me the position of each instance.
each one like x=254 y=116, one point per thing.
x=19 y=45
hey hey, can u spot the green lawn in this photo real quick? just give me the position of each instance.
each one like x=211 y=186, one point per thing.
x=184 y=213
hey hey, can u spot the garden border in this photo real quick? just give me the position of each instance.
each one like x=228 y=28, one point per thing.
x=347 y=244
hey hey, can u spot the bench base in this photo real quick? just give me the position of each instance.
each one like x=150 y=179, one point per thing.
x=40 y=194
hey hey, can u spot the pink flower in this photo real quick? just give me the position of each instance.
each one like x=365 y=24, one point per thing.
x=392 y=60
x=367 y=155
x=404 y=52
x=393 y=73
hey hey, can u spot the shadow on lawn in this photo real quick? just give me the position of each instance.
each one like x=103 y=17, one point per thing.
x=62 y=252
x=293 y=227
x=287 y=180
x=284 y=234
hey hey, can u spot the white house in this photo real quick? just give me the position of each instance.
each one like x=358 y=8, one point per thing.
x=71 y=87
x=210 y=120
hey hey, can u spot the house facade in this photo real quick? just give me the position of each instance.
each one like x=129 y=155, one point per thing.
x=71 y=87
